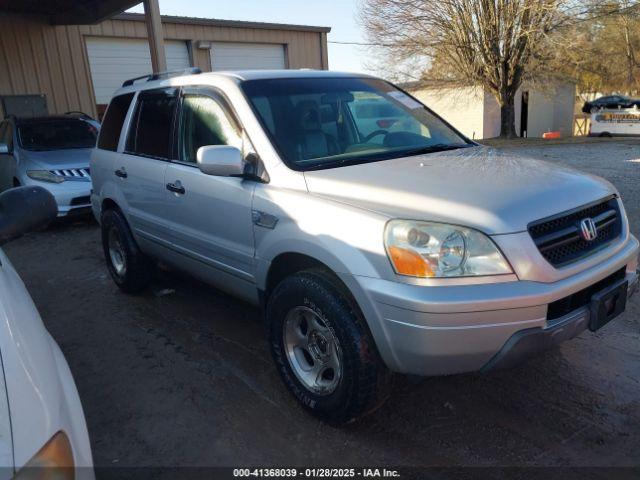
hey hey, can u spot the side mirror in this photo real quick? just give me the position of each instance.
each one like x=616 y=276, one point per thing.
x=24 y=209
x=220 y=160
x=4 y=149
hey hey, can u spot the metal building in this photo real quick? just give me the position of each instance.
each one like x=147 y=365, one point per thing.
x=476 y=113
x=74 y=53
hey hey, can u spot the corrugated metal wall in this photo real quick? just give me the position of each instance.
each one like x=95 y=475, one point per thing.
x=36 y=57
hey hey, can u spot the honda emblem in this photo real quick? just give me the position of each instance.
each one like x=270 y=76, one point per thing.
x=588 y=229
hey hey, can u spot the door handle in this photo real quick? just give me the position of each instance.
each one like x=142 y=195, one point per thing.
x=121 y=172
x=176 y=188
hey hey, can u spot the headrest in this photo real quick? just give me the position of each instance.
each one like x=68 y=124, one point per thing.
x=308 y=114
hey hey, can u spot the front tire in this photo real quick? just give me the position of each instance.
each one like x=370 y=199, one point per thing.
x=323 y=349
x=130 y=269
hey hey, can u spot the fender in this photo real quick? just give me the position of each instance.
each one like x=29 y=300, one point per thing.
x=346 y=239
x=109 y=191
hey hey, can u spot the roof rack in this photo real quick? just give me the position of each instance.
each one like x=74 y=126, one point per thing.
x=166 y=74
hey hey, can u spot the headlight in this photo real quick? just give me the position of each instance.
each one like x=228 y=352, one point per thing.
x=45 y=176
x=425 y=249
x=54 y=460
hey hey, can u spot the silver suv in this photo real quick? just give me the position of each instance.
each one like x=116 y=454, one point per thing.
x=406 y=249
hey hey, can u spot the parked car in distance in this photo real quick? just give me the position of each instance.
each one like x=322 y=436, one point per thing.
x=610 y=101
x=42 y=427
x=423 y=254
x=52 y=152
x=375 y=118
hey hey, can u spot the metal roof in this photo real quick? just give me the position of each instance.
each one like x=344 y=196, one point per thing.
x=68 y=12
x=226 y=23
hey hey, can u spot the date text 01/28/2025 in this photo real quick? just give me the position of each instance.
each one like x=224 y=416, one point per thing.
x=315 y=473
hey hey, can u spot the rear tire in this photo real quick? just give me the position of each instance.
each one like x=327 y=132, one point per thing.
x=130 y=269
x=308 y=314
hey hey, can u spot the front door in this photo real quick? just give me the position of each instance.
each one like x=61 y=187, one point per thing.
x=209 y=217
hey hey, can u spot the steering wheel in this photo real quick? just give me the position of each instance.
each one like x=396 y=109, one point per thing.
x=375 y=133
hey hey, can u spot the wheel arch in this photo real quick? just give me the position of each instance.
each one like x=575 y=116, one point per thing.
x=109 y=204
x=289 y=263
x=308 y=255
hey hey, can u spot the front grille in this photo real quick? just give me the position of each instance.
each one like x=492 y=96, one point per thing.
x=559 y=237
x=568 y=304
x=82 y=174
x=80 y=200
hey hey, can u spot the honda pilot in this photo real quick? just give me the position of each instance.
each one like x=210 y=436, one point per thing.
x=376 y=240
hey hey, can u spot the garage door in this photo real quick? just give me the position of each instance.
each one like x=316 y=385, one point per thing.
x=114 y=60
x=246 y=56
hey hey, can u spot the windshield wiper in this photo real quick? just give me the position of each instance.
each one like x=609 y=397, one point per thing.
x=341 y=162
x=384 y=155
x=438 y=147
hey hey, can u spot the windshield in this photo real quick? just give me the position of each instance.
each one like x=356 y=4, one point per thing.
x=57 y=134
x=329 y=122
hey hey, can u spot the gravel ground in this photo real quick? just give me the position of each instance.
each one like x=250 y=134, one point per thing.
x=182 y=376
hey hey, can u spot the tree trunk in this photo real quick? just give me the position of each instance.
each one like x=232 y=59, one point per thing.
x=508 y=116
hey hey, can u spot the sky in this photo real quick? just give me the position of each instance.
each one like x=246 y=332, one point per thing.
x=340 y=15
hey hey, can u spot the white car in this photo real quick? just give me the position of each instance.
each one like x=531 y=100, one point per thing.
x=41 y=419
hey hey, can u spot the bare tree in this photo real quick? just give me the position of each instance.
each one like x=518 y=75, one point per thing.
x=617 y=39
x=605 y=49
x=492 y=43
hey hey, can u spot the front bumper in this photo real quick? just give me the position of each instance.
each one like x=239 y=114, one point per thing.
x=72 y=197
x=454 y=329
x=528 y=342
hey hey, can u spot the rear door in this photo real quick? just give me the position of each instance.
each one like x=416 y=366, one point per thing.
x=209 y=217
x=141 y=167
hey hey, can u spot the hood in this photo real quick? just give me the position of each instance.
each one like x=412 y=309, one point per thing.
x=56 y=159
x=479 y=187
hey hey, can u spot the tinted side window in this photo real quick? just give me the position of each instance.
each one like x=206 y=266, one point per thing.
x=113 y=120
x=151 y=129
x=204 y=122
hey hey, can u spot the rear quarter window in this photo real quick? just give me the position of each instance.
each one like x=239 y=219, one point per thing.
x=113 y=121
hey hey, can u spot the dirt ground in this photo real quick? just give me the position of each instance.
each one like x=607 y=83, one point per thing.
x=181 y=375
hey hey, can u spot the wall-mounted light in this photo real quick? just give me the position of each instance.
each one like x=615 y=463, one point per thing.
x=203 y=45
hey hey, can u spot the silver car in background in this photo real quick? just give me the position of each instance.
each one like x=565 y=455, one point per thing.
x=52 y=152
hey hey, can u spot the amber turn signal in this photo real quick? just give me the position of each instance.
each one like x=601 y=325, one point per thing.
x=408 y=262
